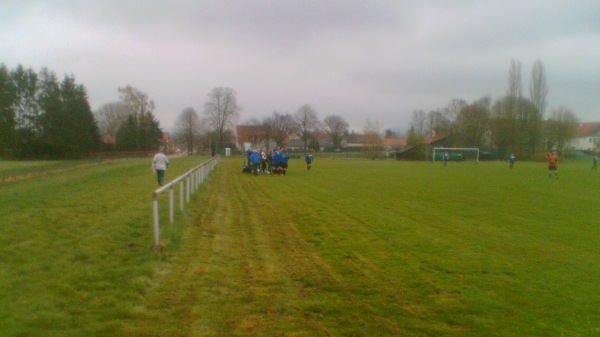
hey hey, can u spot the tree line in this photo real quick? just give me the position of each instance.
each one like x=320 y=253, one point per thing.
x=42 y=118
x=129 y=125
x=511 y=124
x=221 y=112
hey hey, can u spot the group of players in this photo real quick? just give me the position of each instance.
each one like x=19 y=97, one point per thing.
x=272 y=162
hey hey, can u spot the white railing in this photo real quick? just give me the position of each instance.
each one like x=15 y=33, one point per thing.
x=188 y=184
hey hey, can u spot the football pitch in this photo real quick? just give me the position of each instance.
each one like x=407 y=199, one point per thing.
x=350 y=248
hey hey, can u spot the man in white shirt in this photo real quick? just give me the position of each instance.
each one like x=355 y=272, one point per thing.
x=160 y=163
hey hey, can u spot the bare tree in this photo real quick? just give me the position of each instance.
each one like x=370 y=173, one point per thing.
x=188 y=128
x=308 y=123
x=137 y=102
x=336 y=127
x=268 y=126
x=221 y=112
x=453 y=108
x=418 y=122
x=516 y=126
x=514 y=80
x=110 y=117
x=471 y=126
x=372 y=143
x=560 y=129
x=438 y=121
x=283 y=127
x=538 y=88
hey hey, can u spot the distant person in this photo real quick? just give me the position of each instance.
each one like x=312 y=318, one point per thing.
x=511 y=160
x=263 y=162
x=160 y=164
x=552 y=164
x=595 y=163
x=248 y=154
x=309 y=159
x=270 y=162
x=256 y=159
x=446 y=157
x=284 y=161
x=276 y=161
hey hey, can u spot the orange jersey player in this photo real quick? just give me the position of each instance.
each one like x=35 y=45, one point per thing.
x=552 y=164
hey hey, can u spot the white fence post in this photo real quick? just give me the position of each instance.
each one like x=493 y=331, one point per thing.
x=156 y=221
x=188 y=182
x=181 y=195
x=171 y=205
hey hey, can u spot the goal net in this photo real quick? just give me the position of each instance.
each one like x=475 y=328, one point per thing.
x=456 y=154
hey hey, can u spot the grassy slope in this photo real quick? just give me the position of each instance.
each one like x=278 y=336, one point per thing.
x=355 y=248
x=74 y=245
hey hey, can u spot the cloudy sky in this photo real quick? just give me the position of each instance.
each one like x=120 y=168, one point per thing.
x=365 y=60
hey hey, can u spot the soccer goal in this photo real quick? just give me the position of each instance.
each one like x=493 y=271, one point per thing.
x=456 y=154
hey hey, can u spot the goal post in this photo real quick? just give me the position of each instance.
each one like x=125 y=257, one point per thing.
x=456 y=153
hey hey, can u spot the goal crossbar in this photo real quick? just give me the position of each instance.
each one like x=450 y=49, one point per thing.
x=454 y=149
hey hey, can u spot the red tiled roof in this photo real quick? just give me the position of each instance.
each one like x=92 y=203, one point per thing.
x=394 y=142
x=436 y=138
x=249 y=133
x=585 y=129
x=109 y=140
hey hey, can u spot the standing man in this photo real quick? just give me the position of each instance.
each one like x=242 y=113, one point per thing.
x=595 y=163
x=511 y=160
x=552 y=164
x=446 y=157
x=308 y=159
x=263 y=162
x=160 y=164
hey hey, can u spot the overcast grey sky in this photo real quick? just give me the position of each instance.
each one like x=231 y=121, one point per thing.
x=371 y=60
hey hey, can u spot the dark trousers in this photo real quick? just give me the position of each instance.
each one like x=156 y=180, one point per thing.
x=160 y=174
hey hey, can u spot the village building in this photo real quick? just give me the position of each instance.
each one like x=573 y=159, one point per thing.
x=587 y=137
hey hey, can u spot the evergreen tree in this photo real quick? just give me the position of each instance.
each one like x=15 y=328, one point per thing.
x=26 y=110
x=142 y=130
x=150 y=132
x=81 y=129
x=53 y=121
x=127 y=135
x=8 y=136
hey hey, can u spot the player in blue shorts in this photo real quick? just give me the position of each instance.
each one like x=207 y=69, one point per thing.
x=284 y=161
x=308 y=159
x=511 y=160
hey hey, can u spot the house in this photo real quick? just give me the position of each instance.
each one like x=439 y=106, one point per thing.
x=403 y=151
x=167 y=142
x=249 y=136
x=587 y=137
x=438 y=140
x=390 y=144
x=109 y=140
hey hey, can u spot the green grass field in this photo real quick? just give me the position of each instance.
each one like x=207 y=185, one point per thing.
x=350 y=248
